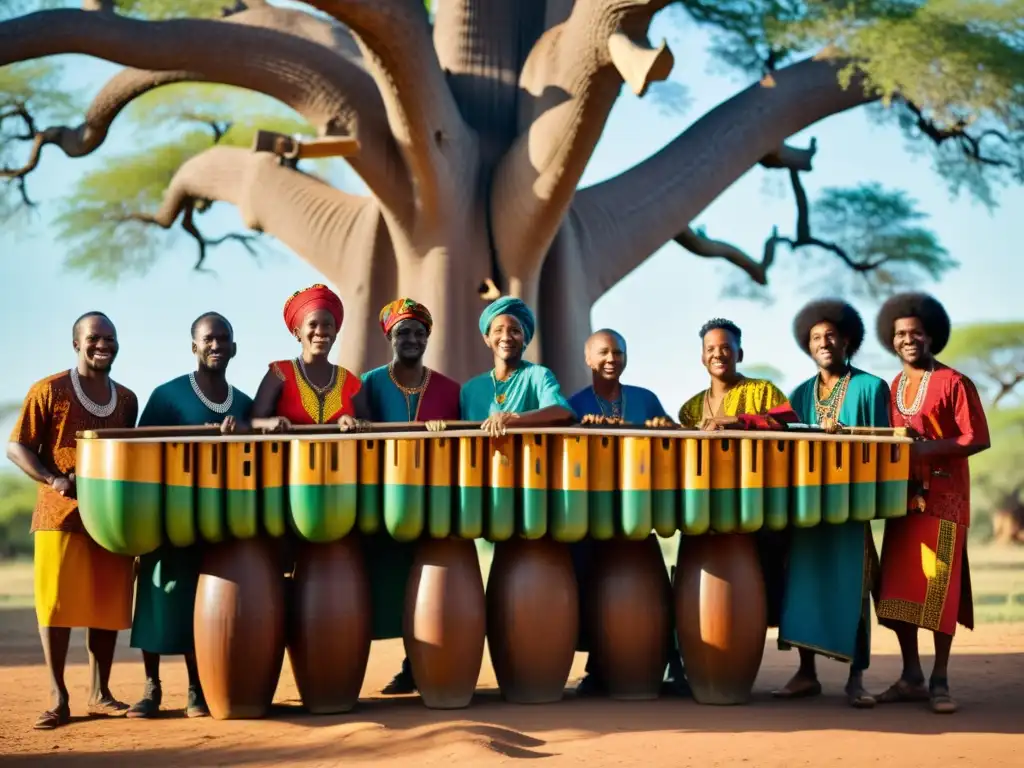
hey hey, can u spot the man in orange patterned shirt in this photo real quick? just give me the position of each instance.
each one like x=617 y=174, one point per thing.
x=77 y=583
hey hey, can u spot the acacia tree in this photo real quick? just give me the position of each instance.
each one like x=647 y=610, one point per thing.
x=475 y=121
x=992 y=354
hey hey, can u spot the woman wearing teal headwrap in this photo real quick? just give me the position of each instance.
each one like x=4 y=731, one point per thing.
x=513 y=389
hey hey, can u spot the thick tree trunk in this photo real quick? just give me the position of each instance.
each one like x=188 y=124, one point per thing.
x=473 y=137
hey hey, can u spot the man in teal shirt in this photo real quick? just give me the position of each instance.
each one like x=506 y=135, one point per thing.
x=167 y=578
x=826 y=598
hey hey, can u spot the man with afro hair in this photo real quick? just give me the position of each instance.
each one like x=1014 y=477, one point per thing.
x=925 y=576
x=826 y=602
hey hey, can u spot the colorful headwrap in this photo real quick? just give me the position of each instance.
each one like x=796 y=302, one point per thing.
x=404 y=309
x=507 y=305
x=315 y=297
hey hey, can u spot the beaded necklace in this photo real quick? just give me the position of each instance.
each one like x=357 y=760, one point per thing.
x=918 y=399
x=408 y=392
x=99 y=411
x=828 y=408
x=215 y=407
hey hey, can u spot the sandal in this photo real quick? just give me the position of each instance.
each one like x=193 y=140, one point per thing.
x=903 y=691
x=108 y=708
x=798 y=688
x=939 y=699
x=860 y=699
x=53 y=718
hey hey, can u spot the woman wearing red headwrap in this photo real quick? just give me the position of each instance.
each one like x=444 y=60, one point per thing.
x=309 y=389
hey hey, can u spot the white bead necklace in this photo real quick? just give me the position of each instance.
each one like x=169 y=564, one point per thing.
x=918 y=399
x=215 y=407
x=99 y=411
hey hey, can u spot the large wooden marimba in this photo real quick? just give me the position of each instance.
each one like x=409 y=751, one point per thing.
x=320 y=497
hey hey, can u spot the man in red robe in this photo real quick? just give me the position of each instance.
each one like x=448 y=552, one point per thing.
x=926 y=579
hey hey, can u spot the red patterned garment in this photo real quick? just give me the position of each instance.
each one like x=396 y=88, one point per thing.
x=302 y=403
x=925 y=576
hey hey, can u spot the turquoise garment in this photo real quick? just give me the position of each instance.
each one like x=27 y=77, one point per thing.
x=826 y=600
x=531 y=388
x=386 y=401
x=165 y=592
x=388 y=562
x=637 y=404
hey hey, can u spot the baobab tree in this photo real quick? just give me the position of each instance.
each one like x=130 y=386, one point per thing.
x=475 y=120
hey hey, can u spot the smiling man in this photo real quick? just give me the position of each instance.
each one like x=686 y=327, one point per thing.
x=168 y=578
x=925 y=576
x=730 y=396
x=608 y=401
x=77 y=583
x=607 y=398
x=826 y=603
x=404 y=390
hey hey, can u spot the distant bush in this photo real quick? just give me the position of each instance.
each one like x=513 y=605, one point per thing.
x=17 y=500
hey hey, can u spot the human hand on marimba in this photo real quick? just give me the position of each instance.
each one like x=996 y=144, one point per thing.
x=496 y=425
x=229 y=425
x=436 y=426
x=350 y=424
x=831 y=426
x=597 y=419
x=659 y=422
x=718 y=423
x=272 y=424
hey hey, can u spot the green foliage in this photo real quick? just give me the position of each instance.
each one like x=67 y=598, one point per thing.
x=31 y=88
x=992 y=355
x=960 y=62
x=96 y=219
x=17 y=500
x=762 y=371
x=173 y=9
x=880 y=232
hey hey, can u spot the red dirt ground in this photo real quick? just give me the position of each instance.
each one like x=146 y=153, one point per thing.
x=988 y=680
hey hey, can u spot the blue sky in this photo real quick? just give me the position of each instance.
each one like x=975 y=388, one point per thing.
x=39 y=299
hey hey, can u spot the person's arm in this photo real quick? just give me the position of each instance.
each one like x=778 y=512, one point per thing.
x=27 y=437
x=552 y=407
x=264 y=405
x=969 y=414
x=361 y=405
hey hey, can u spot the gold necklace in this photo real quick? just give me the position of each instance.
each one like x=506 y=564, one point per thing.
x=320 y=391
x=499 y=397
x=408 y=392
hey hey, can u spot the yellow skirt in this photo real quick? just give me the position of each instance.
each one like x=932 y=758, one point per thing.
x=80 y=584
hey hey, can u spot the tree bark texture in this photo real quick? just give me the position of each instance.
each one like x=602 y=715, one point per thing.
x=473 y=132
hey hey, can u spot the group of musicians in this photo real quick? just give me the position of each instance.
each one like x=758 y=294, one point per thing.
x=819 y=579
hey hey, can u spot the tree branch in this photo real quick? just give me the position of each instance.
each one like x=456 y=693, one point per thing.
x=699 y=244
x=968 y=144
x=1006 y=387
x=633 y=214
x=574 y=74
x=342 y=236
x=794 y=160
x=395 y=38
x=203 y=243
x=245 y=50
